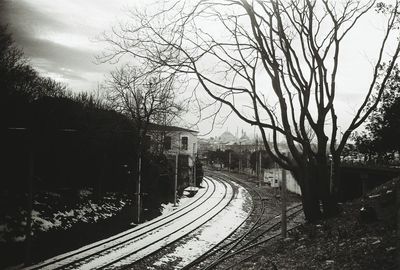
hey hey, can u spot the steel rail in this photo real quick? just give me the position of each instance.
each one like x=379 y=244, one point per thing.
x=118 y=236
x=255 y=245
x=229 y=253
x=216 y=249
x=129 y=265
x=233 y=243
x=240 y=239
x=248 y=246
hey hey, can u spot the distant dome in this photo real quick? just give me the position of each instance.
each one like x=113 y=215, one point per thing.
x=227 y=137
x=244 y=139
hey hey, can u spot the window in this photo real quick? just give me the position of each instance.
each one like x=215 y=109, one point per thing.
x=184 y=143
x=167 y=143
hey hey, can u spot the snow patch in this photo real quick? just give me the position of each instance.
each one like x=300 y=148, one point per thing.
x=211 y=233
x=167 y=208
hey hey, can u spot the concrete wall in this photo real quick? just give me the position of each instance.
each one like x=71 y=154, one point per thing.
x=176 y=144
x=274 y=177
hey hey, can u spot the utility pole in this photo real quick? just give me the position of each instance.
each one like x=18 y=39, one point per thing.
x=259 y=168
x=138 y=191
x=28 y=233
x=194 y=173
x=331 y=175
x=176 y=178
x=240 y=158
x=283 y=198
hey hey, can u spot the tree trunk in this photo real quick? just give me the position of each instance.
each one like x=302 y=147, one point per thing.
x=314 y=181
x=309 y=191
x=328 y=200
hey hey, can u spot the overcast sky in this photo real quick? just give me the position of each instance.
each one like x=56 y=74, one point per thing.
x=59 y=36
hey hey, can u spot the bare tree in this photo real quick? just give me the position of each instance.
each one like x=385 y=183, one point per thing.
x=274 y=64
x=146 y=98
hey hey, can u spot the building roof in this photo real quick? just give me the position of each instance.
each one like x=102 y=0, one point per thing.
x=169 y=128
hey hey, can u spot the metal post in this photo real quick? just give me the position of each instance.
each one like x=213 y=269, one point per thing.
x=397 y=187
x=259 y=168
x=283 y=197
x=138 y=191
x=28 y=233
x=258 y=180
x=194 y=166
x=240 y=157
x=331 y=175
x=194 y=173
x=176 y=178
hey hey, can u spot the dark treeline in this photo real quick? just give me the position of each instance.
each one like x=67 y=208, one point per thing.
x=74 y=140
x=248 y=159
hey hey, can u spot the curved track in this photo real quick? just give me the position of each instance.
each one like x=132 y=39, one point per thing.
x=125 y=248
x=261 y=231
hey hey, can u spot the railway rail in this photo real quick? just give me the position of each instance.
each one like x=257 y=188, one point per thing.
x=247 y=240
x=131 y=249
x=125 y=248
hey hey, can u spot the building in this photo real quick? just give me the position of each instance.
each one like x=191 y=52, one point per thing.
x=175 y=142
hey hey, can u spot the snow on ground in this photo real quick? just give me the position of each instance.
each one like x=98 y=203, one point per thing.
x=184 y=200
x=225 y=214
x=60 y=260
x=211 y=234
x=167 y=208
x=182 y=226
x=149 y=241
x=51 y=211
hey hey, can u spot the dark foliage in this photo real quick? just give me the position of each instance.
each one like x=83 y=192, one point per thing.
x=215 y=156
x=266 y=161
x=383 y=126
x=76 y=141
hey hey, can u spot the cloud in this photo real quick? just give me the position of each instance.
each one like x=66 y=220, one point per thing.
x=58 y=43
x=25 y=19
x=64 y=56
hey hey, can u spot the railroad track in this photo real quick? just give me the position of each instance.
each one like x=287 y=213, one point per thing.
x=129 y=249
x=246 y=240
x=122 y=250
